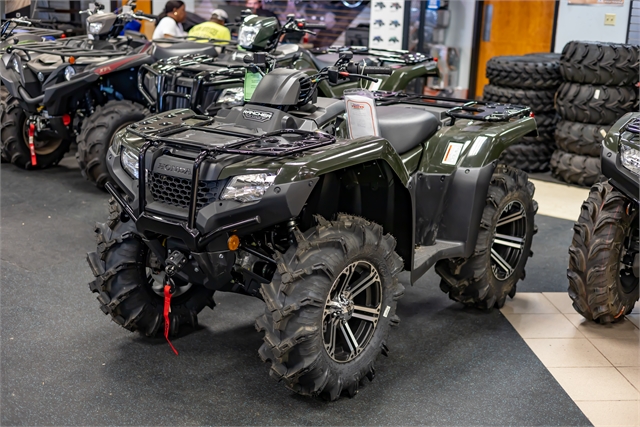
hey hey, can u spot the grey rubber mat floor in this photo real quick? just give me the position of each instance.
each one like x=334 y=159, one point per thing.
x=65 y=363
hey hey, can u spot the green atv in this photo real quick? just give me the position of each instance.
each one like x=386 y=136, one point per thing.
x=275 y=200
x=206 y=84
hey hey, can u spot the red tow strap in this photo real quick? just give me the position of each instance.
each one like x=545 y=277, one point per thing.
x=32 y=147
x=167 y=310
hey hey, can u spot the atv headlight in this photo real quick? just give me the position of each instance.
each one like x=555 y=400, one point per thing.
x=16 y=65
x=248 y=188
x=129 y=161
x=232 y=96
x=94 y=27
x=247 y=36
x=630 y=158
x=69 y=72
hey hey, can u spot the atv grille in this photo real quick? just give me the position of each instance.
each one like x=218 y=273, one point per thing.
x=176 y=191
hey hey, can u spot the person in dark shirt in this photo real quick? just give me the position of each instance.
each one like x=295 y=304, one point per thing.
x=256 y=8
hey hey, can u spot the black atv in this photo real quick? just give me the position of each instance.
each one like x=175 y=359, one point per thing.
x=76 y=81
x=275 y=200
x=604 y=263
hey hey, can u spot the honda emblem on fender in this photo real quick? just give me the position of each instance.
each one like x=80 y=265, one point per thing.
x=258 y=116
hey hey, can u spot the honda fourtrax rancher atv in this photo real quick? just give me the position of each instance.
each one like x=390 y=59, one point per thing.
x=604 y=265
x=275 y=200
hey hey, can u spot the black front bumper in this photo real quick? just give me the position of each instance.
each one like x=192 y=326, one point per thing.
x=214 y=222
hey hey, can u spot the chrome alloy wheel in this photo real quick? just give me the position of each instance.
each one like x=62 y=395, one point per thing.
x=352 y=311
x=508 y=240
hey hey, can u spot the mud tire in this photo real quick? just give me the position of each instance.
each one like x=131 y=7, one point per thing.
x=575 y=169
x=594 y=256
x=471 y=281
x=14 y=147
x=601 y=105
x=122 y=284
x=598 y=63
x=96 y=136
x=533 y=71
x=295 y=302
x=580 y=138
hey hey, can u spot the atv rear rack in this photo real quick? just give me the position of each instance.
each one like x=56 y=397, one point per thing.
x=273 y=144
x=459 y=108
x=62 y=50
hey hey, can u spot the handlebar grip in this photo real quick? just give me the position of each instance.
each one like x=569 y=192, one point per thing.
x=35 y=21
x=308 y=26
x=376 y=70
x=145 y=15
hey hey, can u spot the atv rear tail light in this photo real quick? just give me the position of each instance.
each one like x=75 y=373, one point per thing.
x=66 y=119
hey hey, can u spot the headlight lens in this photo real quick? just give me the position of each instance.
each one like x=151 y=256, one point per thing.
x=16 y=65
x=247 y=36
x=630 y=158
x=94 y=27
x=248 y=188
x=69 y=72
x=232 y=96
x=129 y=161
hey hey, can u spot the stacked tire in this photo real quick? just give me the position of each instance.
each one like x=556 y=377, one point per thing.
x=599 y=87
x=530 y=80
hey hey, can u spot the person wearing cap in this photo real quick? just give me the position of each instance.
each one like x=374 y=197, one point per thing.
x=212 y=29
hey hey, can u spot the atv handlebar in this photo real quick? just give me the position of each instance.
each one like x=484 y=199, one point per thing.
x=367 y=70
x=145 y=17
x=309 y=26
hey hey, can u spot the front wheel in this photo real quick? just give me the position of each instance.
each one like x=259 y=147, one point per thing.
x=330 y=306
x=129 y=281
x=97 y=135
x=602 y=283
x=14 y=134
x=485 y=279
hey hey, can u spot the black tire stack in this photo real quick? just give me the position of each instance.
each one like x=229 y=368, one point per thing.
x=530 y=80
x=599 y=87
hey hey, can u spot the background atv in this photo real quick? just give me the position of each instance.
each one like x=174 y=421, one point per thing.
x=604 y=263
x=275 y=200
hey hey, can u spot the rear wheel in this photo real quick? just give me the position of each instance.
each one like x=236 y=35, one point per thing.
x=14 y=130
x=98 y=131
x=329 y=307
x=129 y=281
x=605 y=243
x=504 y=244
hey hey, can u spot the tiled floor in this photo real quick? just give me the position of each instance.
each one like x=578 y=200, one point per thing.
x=597 y=365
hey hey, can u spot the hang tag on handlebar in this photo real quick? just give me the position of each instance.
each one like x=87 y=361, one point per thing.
x=251 y=81
x=362 y=118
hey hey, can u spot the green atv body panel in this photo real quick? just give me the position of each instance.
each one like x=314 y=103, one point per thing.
x=618 y=175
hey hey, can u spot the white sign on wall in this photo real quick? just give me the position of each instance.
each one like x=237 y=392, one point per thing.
x=387 y=22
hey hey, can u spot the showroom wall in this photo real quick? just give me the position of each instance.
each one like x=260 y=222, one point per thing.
x=580 y=22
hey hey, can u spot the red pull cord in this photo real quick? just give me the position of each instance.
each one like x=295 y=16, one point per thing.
x=167 y=310
x=32 y=147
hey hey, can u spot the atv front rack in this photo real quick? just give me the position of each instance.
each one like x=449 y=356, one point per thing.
x=274 y=144
x=386 y=55
x=459 y=108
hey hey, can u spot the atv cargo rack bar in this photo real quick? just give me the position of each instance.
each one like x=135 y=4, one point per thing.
x=459 y=108
x=53 y=48
x=273 y=144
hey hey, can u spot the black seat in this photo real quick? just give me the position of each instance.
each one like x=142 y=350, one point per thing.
x=186 y=48
x=405 y=127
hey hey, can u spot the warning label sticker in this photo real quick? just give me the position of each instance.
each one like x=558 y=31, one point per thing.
x=452 y=154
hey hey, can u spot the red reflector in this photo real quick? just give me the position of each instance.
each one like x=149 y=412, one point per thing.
x=300 y=24
x=531 y=114
x=63 y=36
x=435 y=59
x=66 y=119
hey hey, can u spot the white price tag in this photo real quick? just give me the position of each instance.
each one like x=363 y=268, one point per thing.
x=452 y=154
x=361 y=116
